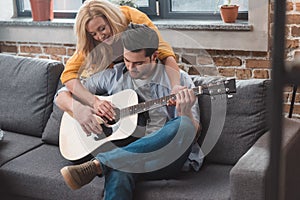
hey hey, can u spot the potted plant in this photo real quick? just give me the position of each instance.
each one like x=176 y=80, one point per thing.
x=229 y=11
x=42 y=10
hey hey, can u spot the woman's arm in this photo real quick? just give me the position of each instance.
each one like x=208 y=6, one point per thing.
x=78 y=90
x=172 y=70
x=100 y=108
x=72 y=67
x=84 y=114
x=70 y=78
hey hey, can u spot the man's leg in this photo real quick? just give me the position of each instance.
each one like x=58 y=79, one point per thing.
x=154 y=151
x=169 y=172
x=150 y=153
x=119 y=185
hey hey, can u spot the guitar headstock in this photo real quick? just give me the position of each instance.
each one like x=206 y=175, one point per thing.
x=222 y=87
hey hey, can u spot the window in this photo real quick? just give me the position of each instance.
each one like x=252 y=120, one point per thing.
x=147 y=6
x=62 y=8
x=193 y=9
x=164 y=9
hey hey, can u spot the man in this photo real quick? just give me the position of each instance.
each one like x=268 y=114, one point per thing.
x=170 y=132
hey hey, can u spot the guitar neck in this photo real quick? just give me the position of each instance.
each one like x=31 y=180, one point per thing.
x=223 y=87
x=152 y=104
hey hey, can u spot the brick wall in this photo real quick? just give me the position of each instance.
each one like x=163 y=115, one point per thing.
x=60 y=52
x=292 y=32
x=239 y=64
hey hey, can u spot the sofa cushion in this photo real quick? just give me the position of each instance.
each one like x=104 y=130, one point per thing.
x=36 y=174
x=51 y=131
x=27 y=89
x=14 y=145
x=241 y=119
x=211 y=182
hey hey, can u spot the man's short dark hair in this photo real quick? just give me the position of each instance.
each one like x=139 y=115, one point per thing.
x=139 y=37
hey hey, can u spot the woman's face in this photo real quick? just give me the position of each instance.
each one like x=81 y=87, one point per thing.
x=99 y=29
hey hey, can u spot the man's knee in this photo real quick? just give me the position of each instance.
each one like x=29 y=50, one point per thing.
x=182 y=123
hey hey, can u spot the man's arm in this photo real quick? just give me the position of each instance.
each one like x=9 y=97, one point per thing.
x=195 y=112
x=185 y=100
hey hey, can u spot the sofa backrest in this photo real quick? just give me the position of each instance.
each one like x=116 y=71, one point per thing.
x=51 y=131
x=27 y=89
x=245 y=120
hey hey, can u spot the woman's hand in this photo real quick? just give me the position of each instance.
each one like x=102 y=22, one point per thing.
x=87 y=119
x=104 y=109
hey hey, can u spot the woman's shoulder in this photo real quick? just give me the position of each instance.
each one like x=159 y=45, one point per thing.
x=125 y=10
x=130 y=12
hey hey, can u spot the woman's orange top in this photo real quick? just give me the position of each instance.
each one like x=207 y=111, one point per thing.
x=133 y=15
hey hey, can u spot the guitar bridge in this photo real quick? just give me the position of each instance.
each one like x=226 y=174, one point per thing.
x=97 y=138
x=229 y=96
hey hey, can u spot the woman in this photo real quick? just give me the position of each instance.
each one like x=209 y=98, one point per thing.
x=97 y=22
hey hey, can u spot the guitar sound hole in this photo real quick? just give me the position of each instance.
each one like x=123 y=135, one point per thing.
x=108 y=130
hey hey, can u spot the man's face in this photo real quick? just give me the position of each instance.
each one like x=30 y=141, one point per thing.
x=138 y=65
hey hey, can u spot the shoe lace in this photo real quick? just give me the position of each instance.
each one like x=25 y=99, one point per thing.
x=89 y=169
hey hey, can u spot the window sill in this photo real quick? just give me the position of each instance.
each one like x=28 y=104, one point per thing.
x=178 y=33
x=203 y=25
x=216 y=25
x=28 y=22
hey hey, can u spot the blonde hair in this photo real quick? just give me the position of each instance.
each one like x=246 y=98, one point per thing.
x=85 y=42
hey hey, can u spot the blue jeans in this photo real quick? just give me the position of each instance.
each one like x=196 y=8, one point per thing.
x=159 y=155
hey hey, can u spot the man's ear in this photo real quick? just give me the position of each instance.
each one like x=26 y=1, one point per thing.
x=154 y=56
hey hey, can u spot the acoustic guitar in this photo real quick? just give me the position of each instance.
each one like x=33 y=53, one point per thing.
x=74 y=144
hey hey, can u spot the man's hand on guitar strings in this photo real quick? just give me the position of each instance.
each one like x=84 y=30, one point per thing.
x=87 y=119
x=175 y=90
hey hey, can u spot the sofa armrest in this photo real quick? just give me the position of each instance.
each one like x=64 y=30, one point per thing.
x=248 y=176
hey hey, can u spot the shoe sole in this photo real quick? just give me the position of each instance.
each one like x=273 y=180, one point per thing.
x=69 y=179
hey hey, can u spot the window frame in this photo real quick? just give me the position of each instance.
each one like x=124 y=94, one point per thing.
x=166 y=13
x=163 y=7
x=151 y=10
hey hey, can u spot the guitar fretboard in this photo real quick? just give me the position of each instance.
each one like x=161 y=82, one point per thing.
x=152 y=104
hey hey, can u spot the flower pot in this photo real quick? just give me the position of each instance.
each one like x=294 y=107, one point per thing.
x=42 y=10
x=229 y=13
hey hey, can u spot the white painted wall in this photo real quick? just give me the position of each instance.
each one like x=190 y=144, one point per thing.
x=62 y=35
x=21 y=33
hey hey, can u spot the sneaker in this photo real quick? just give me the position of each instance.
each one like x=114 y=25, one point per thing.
x=79 y=175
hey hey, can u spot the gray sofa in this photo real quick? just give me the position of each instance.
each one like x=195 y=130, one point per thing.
x=235 y=168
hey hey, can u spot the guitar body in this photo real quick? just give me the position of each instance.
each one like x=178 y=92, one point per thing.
x=74 y=144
